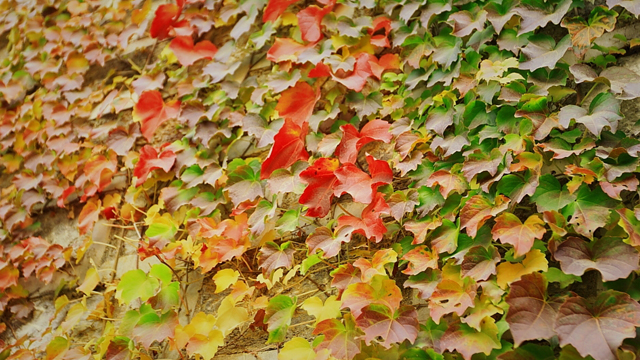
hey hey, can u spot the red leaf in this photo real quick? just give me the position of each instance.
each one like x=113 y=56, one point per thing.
x=288 y=147
x=188 y=54
x=99 y=170
x=361 y=71
x=166 y=16
x=380 y=23
x=275 y=8
x=296 y=104
x=359 y=184
x=152 y=111
x=89 y=215
x=286 y=49
x=151 y=160
x=309 y=21
x=319 y=192
x=386 y=62
x=352 y=140
x=320 y=70
x=369 y=224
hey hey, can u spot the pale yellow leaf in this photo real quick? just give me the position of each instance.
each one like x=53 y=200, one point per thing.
x=224 y=278
x=91 y=280
x=330 y=309
x=297 y=349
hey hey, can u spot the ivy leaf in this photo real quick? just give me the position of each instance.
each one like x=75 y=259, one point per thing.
x=330 y=244
x=479 y=209
x=468 y=341
x=381 y=290
x=542 y=51
x=330 y=309
x=453 y=294
x=91 y=280
x=597 y=327
x=392 y=327
x=510 y=230
x=244 y=181
x=402 y=202
x=310 y=22
x=533 y=17
x=166 y=16
x=152 y=327
x=630 y=223
x=376 y=266
x=288 y=147
x=136 y=284
x=531 y=313
x=420 y=259
x=448 y=182
x=421 y=228
x=296 y=104
x=341 y=338
x=369 y=224
x=274 y=256
x=589 y=211
x=279 y=313
x=609 y=255
x=358 y=184
x=479 y=263
x=150 y=160
x=151 y=111
x=89 y=215
x=275 y=8
x=187 y=53
x=321 y=181
x=549 y=194
x=297 y=349
x=465 y=22
x=509 y=272
x=584 y=32
x=225 y=278
x=353 y=140
x=604 y=111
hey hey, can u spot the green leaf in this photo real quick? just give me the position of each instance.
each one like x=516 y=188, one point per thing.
x=278 y=317
x=550 y=195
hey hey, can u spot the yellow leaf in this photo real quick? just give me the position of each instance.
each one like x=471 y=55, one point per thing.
x=73 y=316
x=275 y=277
x=289 y=18
x=206 y=346
x=230 y=316
x=290 y=274
x=61 y=302
x=91 y=280
x=224 y=278
x=329 y=310
x=509 y=272
x=297 y=349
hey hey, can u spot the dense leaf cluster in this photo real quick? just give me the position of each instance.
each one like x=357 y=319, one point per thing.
x=458 y=167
